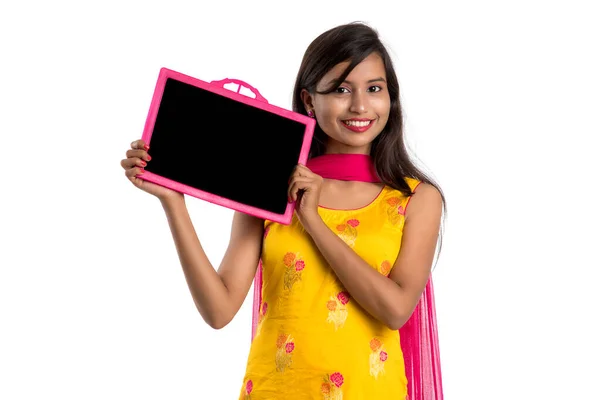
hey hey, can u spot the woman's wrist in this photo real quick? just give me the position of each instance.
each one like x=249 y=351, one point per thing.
x=313 y=222
x=172 y=200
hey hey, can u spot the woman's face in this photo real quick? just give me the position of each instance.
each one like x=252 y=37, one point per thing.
x=356 y=112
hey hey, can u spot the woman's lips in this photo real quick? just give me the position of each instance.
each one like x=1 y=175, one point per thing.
x=358 y=125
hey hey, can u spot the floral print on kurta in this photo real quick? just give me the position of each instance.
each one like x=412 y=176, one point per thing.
x=338 y=311
x=283 y=356
x=347 y=231
x=294 y=266
x=395 y=210
x=377 y=358
x=248 y=389
x=385 y=268
x=331 y=388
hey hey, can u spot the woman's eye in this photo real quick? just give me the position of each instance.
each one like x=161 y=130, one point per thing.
x=374 y=89
x=341 y=90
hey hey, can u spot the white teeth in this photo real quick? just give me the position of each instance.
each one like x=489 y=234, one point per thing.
x=360 y=124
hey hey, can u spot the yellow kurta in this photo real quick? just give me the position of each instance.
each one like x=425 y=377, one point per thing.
x=313 y=340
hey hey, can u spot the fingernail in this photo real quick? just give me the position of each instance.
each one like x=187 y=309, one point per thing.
x=146 y=147
x=142 y=171
x=143 y=163
x=149 y=158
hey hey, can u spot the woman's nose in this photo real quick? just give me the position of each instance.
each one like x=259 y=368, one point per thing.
x=358 y=103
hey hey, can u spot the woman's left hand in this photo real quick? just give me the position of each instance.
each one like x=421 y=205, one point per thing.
x=305 y=189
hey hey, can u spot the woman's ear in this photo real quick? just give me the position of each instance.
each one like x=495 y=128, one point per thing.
x=307 y=100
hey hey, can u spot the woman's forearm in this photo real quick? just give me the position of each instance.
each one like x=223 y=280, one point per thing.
x=206 y=286
x=379 y=296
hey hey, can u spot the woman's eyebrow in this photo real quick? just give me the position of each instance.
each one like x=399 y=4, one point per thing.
x=380 y=79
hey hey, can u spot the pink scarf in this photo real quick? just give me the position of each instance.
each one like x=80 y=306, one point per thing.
x=418 y=336
x=344 y=167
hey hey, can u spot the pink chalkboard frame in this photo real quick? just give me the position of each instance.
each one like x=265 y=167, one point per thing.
x=259 y=102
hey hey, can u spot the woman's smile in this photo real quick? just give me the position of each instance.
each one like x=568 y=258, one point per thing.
x=358 y=124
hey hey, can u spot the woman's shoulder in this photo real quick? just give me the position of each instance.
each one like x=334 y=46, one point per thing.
x=426 y=198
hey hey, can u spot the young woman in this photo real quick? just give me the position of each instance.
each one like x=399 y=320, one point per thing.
x=343 y=298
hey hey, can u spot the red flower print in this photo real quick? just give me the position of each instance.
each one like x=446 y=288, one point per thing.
x=343 y=297
x=289 y=347
x=249 y=387
x=400 y=210
x=299 y=265
x=383 y=356
x=375 y=344
x=325 y=388
x=331 y=305
x=289 y=259
x=353 y=223
x=337 y=379
x=341 y=227
x=264 y=308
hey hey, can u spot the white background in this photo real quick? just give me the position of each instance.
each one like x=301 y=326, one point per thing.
x=502 y=107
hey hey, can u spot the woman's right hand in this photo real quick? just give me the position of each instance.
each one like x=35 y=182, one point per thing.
x=137 y=159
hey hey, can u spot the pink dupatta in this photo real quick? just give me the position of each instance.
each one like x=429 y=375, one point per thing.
x=418 y=336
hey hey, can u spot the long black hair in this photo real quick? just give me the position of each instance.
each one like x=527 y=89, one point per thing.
x=354 y=42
